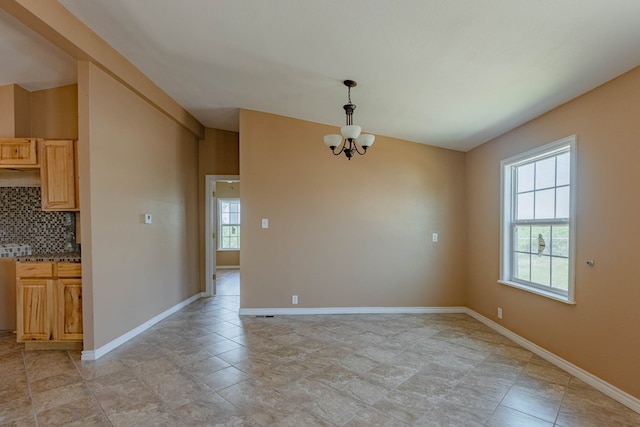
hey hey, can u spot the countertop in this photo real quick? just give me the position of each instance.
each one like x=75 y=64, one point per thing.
x=57 y=257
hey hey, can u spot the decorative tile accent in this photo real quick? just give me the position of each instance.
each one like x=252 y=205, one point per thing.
x=22 y=221
x=13 y=250
x=48 y=257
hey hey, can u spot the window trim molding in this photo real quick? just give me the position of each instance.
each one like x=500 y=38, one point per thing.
x=506 y=208
x=220 y=225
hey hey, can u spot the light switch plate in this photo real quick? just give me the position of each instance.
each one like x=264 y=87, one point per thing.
x=434 y=237
x=147 y=218
x=265 y=223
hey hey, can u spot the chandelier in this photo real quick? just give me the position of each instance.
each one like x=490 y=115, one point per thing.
x=351 y=141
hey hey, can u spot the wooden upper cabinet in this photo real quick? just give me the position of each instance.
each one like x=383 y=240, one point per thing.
x=18 y=152
x=58 y=175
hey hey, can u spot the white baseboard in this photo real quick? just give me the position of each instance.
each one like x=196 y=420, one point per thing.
x=227 y=267
x=348 y=310
x=99 y=352
x=596 y=382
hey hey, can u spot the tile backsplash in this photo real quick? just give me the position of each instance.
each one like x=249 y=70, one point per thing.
x=23 y=221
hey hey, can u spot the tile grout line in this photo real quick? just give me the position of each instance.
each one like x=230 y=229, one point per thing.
x=86 y=384
x=26 y=375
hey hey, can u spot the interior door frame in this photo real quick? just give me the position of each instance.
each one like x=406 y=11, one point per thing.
x=211 y=214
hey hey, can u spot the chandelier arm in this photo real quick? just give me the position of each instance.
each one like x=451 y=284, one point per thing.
x=356 y=145
x=339 y=152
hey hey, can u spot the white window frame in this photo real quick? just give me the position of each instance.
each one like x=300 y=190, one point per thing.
x=220 y=224
x=507 y=209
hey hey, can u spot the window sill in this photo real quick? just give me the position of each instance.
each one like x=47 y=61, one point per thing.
x=227 y=250
x=537 y=291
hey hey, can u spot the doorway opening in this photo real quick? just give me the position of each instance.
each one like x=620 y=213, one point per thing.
x=222 y=232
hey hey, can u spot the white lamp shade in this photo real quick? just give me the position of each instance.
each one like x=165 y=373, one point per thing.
x=351 y=131
x=366 y=140
x=332 y=140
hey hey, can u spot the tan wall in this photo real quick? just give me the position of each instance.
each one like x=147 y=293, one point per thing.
x=600 y=333
x=23 y=110
x=133 y=160
x=227 y=258
x=228 y=190
x=7 y=124
x=348 y=233
x=218 y=154
x=15 y=108
x=7 y=294
x=54 y=112
x=48 y=113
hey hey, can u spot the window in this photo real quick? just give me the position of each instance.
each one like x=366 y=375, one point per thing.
x=228 y=224
x=538 y=220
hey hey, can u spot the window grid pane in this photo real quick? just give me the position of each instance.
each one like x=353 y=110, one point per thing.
x=229 y=224
x=541 y=250
x=545 y=173
x=538 y=205
x=538 y=247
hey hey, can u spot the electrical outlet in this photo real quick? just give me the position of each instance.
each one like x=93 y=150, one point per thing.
x=499 y=312
x=294 y=299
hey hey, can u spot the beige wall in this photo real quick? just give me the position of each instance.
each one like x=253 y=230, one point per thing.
x=348 y=233
x=133 y=160
x=229 y=190
x=15 y=105
x=227 y=258
x=48 y=113
x=601 y=332
x=23 y=111
x=54 y=112
x=7 y=123
x=7 y=294
x=218 y=154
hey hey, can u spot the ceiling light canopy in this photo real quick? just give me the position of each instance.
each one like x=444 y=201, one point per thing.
x=351 y=141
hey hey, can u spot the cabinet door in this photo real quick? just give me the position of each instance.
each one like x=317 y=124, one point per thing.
x=18 y=151
x=69 y=305
x=58 y=175
x=35 y=309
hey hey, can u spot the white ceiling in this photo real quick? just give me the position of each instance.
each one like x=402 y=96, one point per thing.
x=451 y=73
x=31 y=61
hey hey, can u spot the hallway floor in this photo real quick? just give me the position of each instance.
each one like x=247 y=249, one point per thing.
x=228 y=282
x=206 y=366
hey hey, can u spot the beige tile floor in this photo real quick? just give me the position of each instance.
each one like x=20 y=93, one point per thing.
x=228 y=282
x=207 y=366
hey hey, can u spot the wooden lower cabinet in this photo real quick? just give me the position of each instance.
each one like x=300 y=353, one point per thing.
x=35 y=309
x=69 y=304
x=49 y=298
